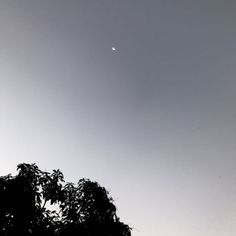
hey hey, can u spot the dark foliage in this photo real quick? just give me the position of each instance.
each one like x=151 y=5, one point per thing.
x=82 y=209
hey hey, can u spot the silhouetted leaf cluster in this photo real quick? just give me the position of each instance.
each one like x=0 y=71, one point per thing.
x=82 y=209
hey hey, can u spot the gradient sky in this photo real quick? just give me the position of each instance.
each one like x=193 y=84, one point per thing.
x=154 y=121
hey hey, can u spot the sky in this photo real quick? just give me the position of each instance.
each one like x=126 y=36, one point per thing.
x=153 y=121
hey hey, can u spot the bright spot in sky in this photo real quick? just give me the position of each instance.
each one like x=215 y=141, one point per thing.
x=113 y=49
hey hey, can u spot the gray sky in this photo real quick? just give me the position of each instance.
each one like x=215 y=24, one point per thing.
x=153 y=121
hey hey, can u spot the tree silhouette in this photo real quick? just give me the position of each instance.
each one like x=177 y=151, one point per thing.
x=82 y=209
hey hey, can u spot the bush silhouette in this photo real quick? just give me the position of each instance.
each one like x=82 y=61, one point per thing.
x=82 y=209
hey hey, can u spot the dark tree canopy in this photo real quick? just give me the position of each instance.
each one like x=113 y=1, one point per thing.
x=82 y=209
